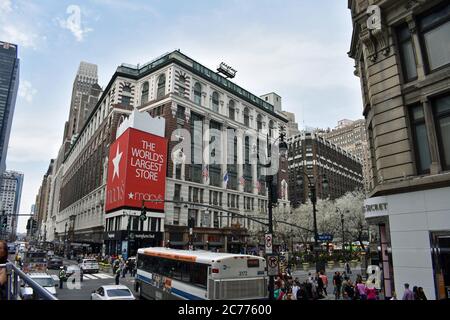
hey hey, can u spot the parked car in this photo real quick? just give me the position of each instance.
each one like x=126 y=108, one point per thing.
x=113 y=292
x=89 y=266
x=44 y=279
x=54 y=263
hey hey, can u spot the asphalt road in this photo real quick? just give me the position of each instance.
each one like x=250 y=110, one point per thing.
x=91 y=282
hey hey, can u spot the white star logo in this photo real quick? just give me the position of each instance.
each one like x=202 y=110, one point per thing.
x=130 y=195
x=116 y=162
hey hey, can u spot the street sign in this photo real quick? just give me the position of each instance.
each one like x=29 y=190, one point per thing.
x=268 y=243
x=272 y=265
x=325 y=237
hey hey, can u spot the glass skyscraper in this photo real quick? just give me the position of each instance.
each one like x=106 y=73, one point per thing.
x=9 y=84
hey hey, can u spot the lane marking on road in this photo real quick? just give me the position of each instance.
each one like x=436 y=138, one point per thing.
x=103 y=276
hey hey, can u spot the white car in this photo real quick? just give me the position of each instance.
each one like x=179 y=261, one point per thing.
x=112 y=292
x=44 y=279
x=89 y=266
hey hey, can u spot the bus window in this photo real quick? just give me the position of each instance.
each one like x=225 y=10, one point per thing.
x=199 y=274
x=186 y=272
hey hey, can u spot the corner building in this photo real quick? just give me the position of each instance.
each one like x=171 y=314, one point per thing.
x=403 y=63
x=211 y=110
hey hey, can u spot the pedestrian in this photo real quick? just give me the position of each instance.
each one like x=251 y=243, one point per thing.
x=350 y=290
x=324 y=281
x=371 y=291
x=361 y=289
x=62 y=277
x=295 y=288
x=416 y=293
x=117 y=275
x=337 y=282
x=347 y=268
x=421 y=295
x=320 y=285
x=408 y=294
x=3 y=276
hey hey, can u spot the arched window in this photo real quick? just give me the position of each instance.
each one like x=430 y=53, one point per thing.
x=126 y=89
x=215 y=101
x=259 y=122
x=198 y=93
x=144 y=93
x=246 y=117
x=161 y=86
x=231 y=110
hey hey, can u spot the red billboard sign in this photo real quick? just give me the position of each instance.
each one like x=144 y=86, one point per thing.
x=136 y=171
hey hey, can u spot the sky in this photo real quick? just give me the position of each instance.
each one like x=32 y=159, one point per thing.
x=296 y=48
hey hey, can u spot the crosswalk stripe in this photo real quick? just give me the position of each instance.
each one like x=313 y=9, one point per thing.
x=55 y=277
x=89 y=276
x=103 y=276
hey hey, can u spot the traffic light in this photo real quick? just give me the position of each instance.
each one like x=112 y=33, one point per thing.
x=143 y=215
x=35 y=225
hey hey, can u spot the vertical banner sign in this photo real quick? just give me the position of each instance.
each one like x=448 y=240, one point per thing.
x=268 y=243
x=136 y=171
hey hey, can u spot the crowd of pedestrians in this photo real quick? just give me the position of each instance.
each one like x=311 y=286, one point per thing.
x=316 y=286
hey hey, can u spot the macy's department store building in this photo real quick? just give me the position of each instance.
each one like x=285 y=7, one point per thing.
x=414 y=239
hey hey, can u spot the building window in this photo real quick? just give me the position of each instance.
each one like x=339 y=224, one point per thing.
x=176 y=216
x=144 y=93
x=196 y=147
x=420 y=139
x=126 y=101
x=408 y=57
x=259 y=122
x=215 y=102
x=441 y=108
x=271 y=127
x=215 y=159
x=161 y=91
x=180 y=112
x=177 y=193
x=198 y=93
x=435 y=32
x=231 y=110
x=246 y=117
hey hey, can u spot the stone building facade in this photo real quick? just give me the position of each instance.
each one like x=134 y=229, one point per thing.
x=402 y=57
x=312 y=155
x=352 y=137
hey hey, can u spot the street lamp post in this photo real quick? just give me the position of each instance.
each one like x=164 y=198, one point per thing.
x=343 y=232
x=65 y=239
x=312 y=188
x=269 y=179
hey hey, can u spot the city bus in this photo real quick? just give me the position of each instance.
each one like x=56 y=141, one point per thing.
x=170 y=274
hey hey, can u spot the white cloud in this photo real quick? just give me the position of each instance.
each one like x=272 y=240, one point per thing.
x=18 y=35
x=26 y=91
x=5 y=6
x=73 y=23
x=33 y=141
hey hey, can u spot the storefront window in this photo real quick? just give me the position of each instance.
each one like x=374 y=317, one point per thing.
x=441 y=263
